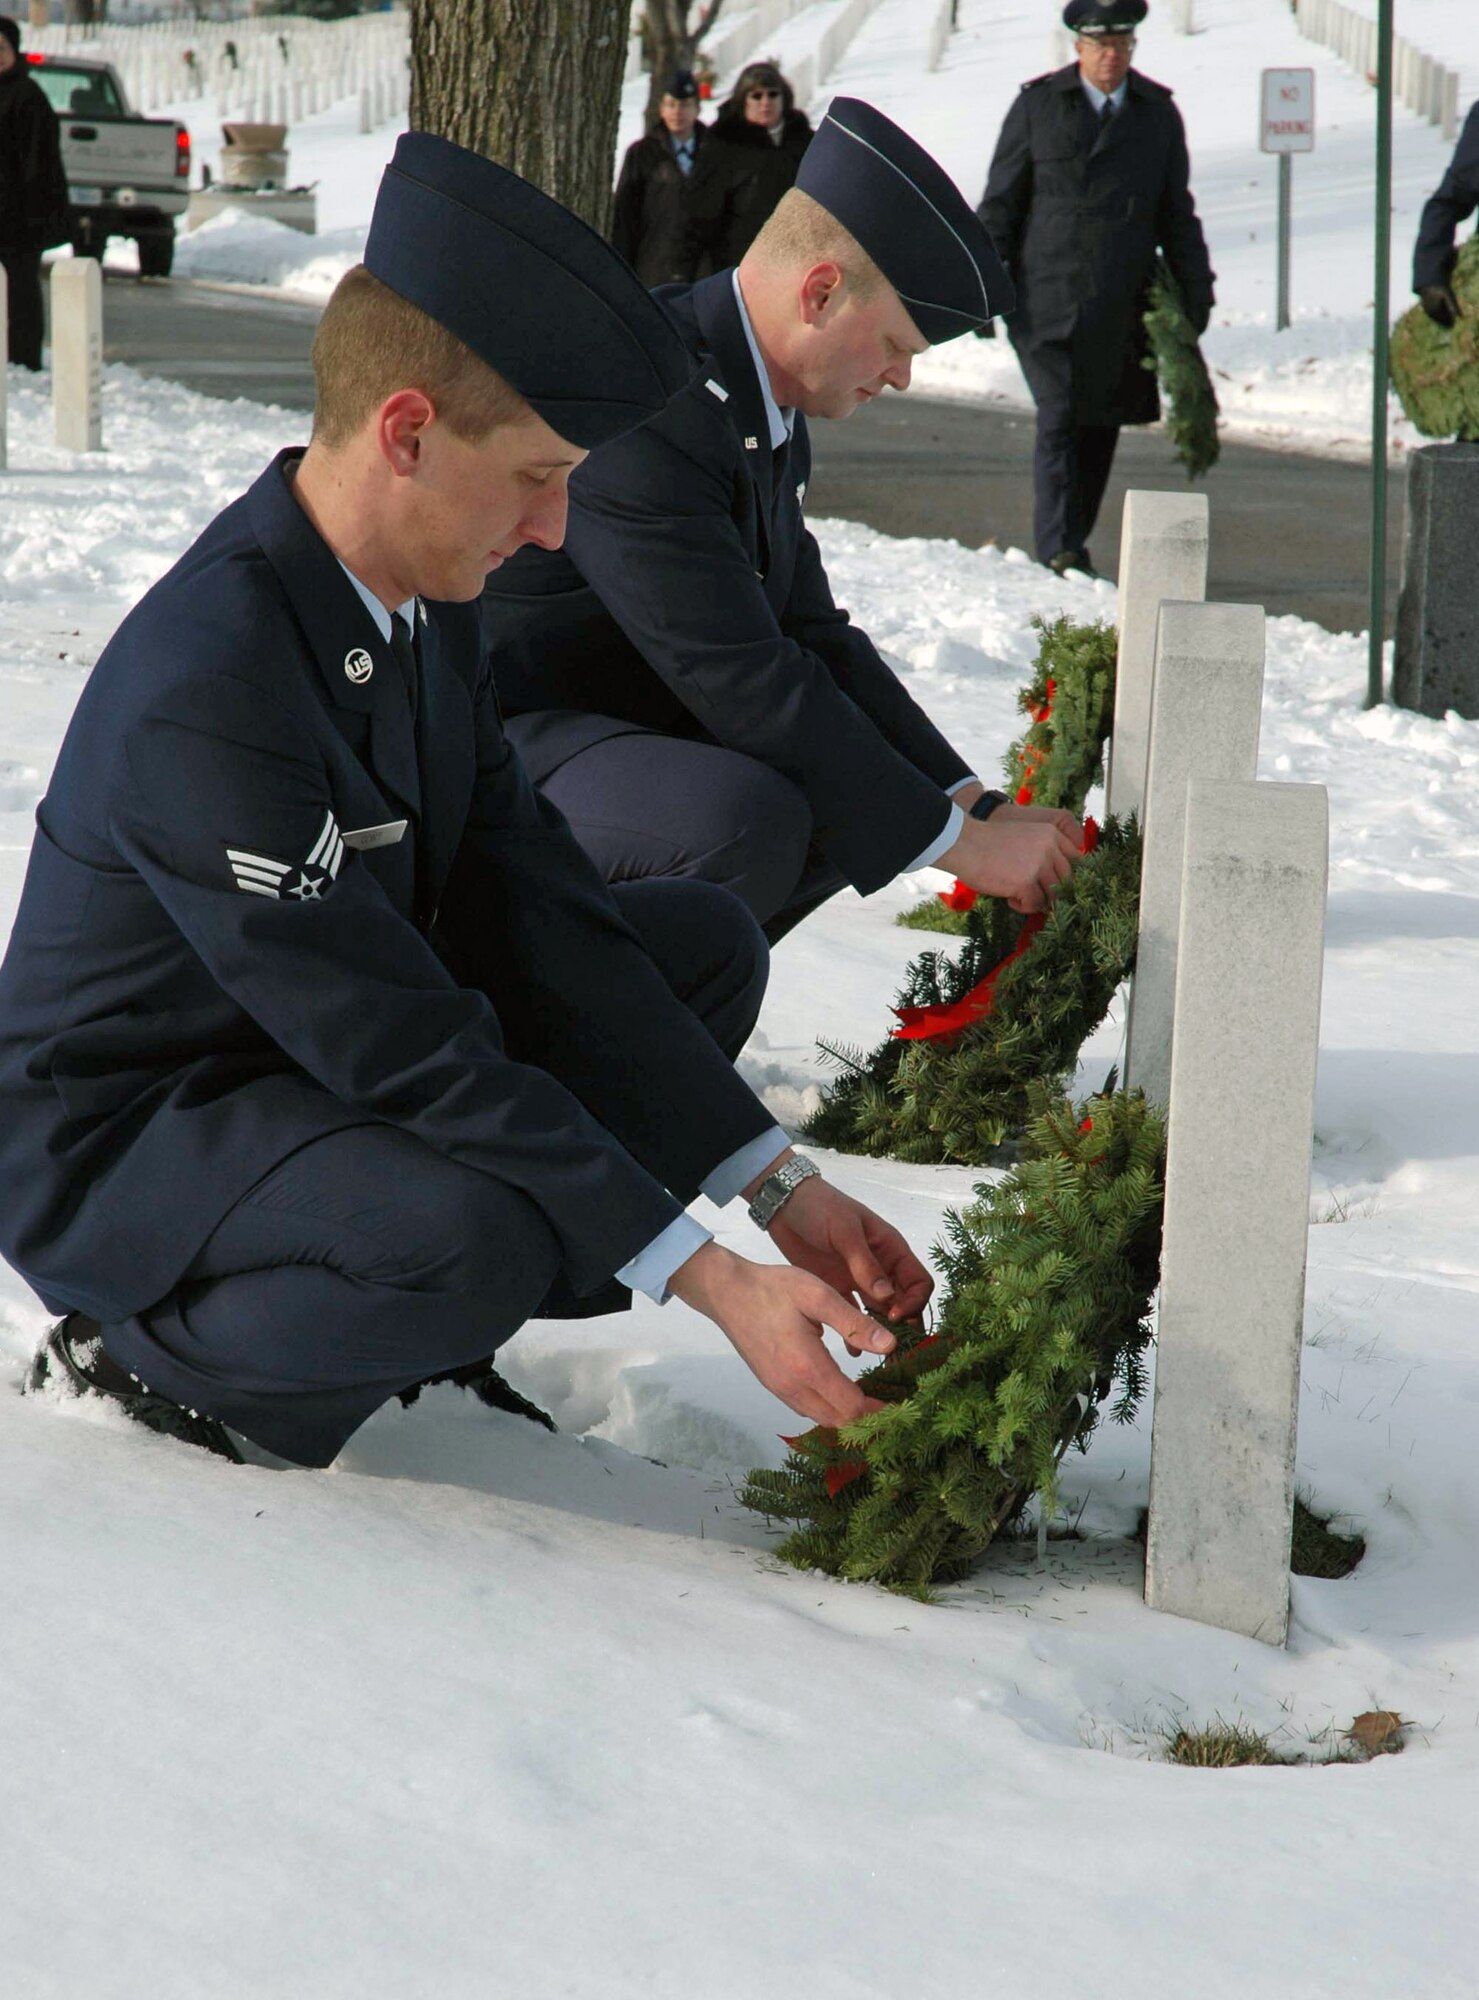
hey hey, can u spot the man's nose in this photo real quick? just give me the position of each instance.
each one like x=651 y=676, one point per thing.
x=901 y=373
x=544 y=523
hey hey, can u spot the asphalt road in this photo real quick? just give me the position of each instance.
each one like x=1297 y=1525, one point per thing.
x=1288 y=531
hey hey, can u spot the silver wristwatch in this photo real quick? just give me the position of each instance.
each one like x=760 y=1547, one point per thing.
x=777 y=1189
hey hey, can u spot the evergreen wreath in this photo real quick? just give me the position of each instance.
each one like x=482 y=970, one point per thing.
x=1435 y=369
x=1049 y=1278
x=1175 y=359
x=1069 y=703
x=956 y=1095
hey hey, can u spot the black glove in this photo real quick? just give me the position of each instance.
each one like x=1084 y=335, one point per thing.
x=1438 y=302
x=986 y=332
x=1200 y=317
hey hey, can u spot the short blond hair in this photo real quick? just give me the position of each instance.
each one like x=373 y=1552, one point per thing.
x=801 y=232
x=371 y=342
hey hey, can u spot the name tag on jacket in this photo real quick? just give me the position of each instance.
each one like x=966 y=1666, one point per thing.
x=385 y=835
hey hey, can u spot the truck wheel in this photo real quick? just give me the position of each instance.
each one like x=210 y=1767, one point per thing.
x=156 y=253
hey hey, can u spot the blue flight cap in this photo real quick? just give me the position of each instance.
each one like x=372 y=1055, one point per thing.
x=1104 y=17
x=528 y=287
x=909 y=216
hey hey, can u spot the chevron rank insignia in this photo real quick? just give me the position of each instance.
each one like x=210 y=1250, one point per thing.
x=301 y=882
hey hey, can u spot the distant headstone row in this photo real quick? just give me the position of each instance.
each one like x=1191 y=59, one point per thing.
x=1420 y=81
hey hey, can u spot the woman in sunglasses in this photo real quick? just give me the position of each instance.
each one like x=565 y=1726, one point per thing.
x=758 y=139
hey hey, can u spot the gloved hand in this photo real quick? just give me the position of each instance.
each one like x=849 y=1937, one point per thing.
x=1200 y=317
x=1438 y=302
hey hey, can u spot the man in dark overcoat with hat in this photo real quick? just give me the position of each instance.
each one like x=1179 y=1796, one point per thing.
x=649 y=216
x=326 y=1058
x=679 y=678
x=1452 y=202
x=1089 y=181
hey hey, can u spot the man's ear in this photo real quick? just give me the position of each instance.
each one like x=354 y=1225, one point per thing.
x=820 y=291
x=400 y=424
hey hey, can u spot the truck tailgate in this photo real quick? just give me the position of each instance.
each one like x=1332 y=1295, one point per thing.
x=113 y=153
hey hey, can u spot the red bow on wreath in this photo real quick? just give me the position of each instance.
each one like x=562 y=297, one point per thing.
x=948 y=1017
x=962 y=897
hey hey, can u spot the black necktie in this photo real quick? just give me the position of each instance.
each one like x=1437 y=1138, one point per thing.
x=403 y=645
x=1106 y=115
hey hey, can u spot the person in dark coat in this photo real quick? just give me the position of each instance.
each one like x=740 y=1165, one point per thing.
x=1090 y=179
x=754 y=151
x=1455 y=200
x=679 y=678
x=650 y=214
x=33 y=194
x=326 y=1058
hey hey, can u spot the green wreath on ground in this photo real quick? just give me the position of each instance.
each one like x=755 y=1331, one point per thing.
x=952 y=1087
x=1175 y=359
x=1435 y=369
x=1049 y=1279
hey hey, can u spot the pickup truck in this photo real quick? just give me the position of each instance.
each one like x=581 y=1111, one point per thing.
x=126 y=175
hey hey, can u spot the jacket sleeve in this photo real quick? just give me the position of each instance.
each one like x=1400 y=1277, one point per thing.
x=1179 y=229
x=219 y=809
x=816 y=621
x=650 y=529
x=1455 y=200
x=575 y=991
x=1003 y=207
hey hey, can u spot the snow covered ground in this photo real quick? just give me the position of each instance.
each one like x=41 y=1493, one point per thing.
x=1308 y=387
x=486 y=1712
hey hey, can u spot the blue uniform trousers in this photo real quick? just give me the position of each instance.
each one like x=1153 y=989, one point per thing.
x=365 y=1262
x=1071 y=464
x=645 y=805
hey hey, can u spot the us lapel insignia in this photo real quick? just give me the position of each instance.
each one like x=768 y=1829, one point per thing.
x=752 y=444
x=358 y=666
x=422 y=609
x=800 y=491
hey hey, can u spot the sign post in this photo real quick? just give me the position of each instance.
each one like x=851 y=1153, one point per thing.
x=1286 y=127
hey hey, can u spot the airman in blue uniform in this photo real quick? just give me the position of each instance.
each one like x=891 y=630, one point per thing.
x=326 y=1059
x=1452 y=202
x=679 y=678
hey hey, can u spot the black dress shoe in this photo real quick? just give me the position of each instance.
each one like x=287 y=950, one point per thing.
x=73 y=1357
x=489 y=1387
x=1076 y=560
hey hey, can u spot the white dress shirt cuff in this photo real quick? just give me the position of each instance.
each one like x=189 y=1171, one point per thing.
x=946 y=840
x=725 y=1182
x=650 y=1270
x=960 y=785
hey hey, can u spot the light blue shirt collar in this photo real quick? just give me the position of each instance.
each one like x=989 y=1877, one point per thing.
x=1097 y=97
x=781 y=422
x=376 y=609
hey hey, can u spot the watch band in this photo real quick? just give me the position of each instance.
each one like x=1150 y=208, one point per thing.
x=776 y=1190
x=986 y=805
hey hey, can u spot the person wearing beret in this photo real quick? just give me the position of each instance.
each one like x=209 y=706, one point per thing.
x=650 y=214
x=679 y=678
x=755 y=149
x=33 y=197
x=1089 y=181
x=326 y=1058
x=1456 y=198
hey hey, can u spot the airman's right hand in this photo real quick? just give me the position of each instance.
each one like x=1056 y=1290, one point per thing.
x=1021 y=854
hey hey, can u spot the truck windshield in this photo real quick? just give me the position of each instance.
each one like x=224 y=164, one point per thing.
x=75 y=92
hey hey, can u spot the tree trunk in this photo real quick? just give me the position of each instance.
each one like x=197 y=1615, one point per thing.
x=533 y=84
x=670 y=40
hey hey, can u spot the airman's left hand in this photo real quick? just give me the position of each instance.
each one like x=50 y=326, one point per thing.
x=826 y=1232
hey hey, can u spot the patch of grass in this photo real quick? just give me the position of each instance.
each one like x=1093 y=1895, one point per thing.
x=1318 y=1549
x=1222 y=1747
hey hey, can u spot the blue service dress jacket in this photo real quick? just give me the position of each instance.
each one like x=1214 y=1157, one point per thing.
x=1077 y=213
x=690 y=599
x=210 y=967
x=1452 y=202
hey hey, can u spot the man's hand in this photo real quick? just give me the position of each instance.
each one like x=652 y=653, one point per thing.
x=1440 y=305
x=774 y=1317
x=1021 y=853
x=856 y=1252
